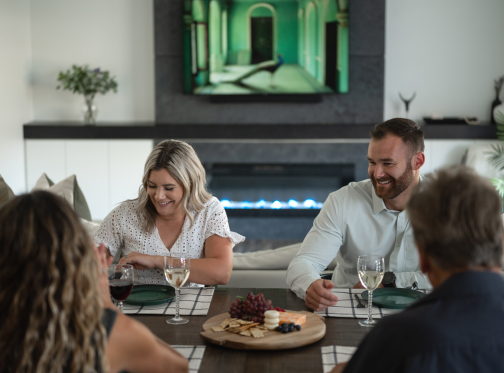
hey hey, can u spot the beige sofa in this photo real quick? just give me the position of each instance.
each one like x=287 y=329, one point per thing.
x=265 y=269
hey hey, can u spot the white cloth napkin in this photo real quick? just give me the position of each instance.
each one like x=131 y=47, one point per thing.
x=193 y=302
x=332 y=355
x=347 y=306
x=194 y=354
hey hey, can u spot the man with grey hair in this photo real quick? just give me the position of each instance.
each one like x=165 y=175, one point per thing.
x=458 y=327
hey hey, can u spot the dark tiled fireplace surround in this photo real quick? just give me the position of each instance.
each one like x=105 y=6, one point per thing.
x=267 y=232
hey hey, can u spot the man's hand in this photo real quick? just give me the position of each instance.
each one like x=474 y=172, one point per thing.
x=360 y=286
x=142 y=261
x=319 y=297
x=339 y=368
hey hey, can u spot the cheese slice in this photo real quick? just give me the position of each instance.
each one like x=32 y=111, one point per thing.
x=296 y=318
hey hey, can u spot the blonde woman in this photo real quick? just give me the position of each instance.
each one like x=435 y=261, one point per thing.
x=173 y=215
x=55 y=308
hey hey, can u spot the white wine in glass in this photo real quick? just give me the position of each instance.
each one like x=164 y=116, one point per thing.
x=371 y=269
x=177 y=271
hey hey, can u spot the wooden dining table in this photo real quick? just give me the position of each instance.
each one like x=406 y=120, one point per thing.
x=339 y=331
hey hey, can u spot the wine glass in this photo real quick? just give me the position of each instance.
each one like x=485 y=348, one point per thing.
x=370 y=269
x=176 y=271
x=121 y=278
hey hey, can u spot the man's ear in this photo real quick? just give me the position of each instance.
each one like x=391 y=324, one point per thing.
x=418 y=160
x=425 y=263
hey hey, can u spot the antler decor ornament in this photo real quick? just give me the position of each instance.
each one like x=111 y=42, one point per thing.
x=407 y=102
x=87 y=82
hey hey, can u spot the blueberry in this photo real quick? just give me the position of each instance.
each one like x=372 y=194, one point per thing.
x=291 y=324
x=291 y=328
x=298 y=327
x=285 y=330
x=278 y=328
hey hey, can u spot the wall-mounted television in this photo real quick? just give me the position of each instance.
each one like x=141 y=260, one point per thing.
x=265 y=47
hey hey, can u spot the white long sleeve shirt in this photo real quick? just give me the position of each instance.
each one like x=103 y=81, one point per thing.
x=354 y=221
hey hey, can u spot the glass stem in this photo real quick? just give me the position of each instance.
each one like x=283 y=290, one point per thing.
x=370 y=304
x=177 y=295
x=120 y=306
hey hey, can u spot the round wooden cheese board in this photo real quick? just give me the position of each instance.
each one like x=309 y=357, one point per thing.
x=311 y=331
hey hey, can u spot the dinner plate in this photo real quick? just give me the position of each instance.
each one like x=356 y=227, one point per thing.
x=394 y=298
x=150 y=295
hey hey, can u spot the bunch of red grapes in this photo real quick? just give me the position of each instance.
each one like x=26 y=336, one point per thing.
x=251 y=308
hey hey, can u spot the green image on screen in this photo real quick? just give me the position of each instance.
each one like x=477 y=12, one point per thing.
x=247 y=47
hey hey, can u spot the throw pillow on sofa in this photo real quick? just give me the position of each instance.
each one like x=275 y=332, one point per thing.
x=6 y=193
x=68 y=189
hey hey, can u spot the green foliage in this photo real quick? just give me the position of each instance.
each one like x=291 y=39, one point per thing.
x=496 y=158
x=499 y=118
x=499 y=185
x=81 y=79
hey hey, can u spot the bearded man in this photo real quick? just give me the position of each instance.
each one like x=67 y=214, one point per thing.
x=366 y=217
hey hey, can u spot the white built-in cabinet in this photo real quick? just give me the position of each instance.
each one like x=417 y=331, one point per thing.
x=108 y=171
x=439 y=153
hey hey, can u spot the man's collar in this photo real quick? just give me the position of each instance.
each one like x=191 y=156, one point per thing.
x=465 y=284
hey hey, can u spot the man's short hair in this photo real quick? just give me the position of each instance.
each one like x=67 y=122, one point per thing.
x=410 y=133
x=456 y=218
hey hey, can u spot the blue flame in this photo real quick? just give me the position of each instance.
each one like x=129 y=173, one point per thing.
x=276 y=205
x=262 y=204
x=310 y=203
x=292 y=203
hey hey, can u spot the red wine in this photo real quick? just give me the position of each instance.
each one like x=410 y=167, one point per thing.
x=120 y=289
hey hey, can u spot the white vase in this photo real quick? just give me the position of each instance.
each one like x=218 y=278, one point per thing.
x=499 y=114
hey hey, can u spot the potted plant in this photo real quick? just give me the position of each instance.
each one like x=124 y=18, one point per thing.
x=88 y=82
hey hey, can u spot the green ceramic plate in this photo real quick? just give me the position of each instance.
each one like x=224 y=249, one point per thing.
x=393 y=297
x=150 y=295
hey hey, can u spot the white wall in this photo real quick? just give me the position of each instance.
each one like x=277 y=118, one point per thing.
x=115 y=35
x=15 y=92
x=448 y=51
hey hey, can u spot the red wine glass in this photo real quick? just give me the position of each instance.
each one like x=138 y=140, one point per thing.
x=121 y=278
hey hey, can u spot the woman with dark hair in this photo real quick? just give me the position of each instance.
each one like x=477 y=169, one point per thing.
x=55 y=307
x=174 y=215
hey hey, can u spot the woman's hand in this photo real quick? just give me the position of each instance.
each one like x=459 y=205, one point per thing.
x=103 y=283
x=143 y=261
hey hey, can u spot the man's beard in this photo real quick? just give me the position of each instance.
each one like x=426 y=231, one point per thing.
x=396 y=186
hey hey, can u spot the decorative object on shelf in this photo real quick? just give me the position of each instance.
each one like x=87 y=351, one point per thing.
x=498 y=114
x=497 y=86
x=407 y=102
x=451 y=120
x=88 y=82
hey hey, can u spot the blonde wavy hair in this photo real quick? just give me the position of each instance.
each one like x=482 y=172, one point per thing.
x=182 y=162
x=50 y=308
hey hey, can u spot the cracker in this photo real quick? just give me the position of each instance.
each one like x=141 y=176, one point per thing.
x=256 y=333
x=246 y=333
x=224 y=324
x=217 y=329
x=243 y=322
